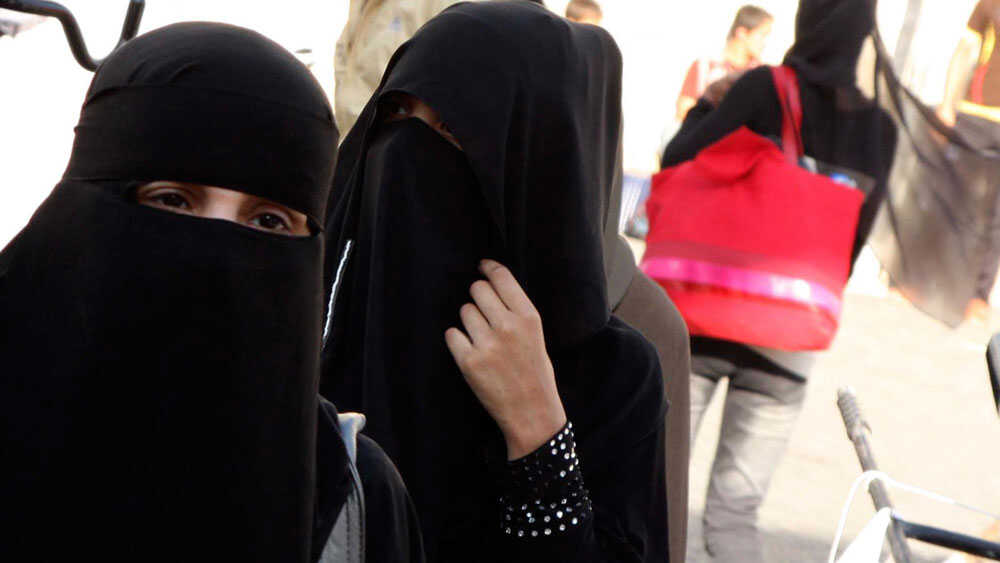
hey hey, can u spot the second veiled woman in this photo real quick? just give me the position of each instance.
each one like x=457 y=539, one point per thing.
x=516 y=166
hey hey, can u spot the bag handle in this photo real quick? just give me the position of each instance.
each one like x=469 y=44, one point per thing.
x=787 y=85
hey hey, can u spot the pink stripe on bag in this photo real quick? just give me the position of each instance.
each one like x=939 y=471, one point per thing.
x=753 y=282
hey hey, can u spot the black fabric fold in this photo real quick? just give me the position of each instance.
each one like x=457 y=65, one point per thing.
x=409 y=274
x=136 y=403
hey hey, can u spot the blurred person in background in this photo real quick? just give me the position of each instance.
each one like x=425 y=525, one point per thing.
x=971 y=105
x=584 y=11
x=744 y=45
x=767 y=387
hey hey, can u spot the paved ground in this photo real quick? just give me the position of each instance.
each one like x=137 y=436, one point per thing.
x=925 y=392
x=926 y=395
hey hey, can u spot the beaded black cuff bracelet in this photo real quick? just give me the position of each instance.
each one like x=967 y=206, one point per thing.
x=546 y=494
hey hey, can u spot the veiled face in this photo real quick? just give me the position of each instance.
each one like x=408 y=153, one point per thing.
x=212 y=202
x=397 y=106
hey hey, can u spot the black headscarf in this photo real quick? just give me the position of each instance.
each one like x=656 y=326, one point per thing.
x=159 y=388
x=534 y=102
x=829 y=35
x=512 y=122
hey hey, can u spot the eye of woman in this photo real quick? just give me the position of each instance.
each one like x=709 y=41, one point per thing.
x=172 y=198
x=396 y=107
x=271 y=221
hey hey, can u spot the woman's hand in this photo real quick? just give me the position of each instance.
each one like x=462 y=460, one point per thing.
x=502 y=355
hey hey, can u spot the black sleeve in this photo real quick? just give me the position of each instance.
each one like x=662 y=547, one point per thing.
x=392 y=530
x=544 y=495
x=753 y=93
x=548 y=514
x=618 y=473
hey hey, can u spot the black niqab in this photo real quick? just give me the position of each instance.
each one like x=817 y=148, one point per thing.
x=534 y=102
x=159 y=391
x=513 y=124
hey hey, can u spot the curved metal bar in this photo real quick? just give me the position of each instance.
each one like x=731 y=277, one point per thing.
x=72 y=29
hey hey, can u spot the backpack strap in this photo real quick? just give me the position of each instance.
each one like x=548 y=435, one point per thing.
x=787 y=85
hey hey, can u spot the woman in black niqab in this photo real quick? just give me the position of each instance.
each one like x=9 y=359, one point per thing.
x=159 y=388
x=533 y=101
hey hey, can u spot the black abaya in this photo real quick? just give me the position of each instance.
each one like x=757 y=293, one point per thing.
x=534 y=102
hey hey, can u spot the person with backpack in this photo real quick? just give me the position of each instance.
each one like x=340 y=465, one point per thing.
x=766 y=385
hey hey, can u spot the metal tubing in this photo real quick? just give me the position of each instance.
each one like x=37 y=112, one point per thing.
x=950 y=540
x=72 y=29
x=856 y=431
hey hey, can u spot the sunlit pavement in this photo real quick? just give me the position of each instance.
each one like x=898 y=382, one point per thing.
x=924 y=390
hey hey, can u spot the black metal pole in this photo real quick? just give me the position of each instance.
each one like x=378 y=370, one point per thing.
x=130 y=27
x=856 y=431
x=950 y=540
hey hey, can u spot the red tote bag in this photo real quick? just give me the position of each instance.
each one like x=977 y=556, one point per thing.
x=751 y=247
